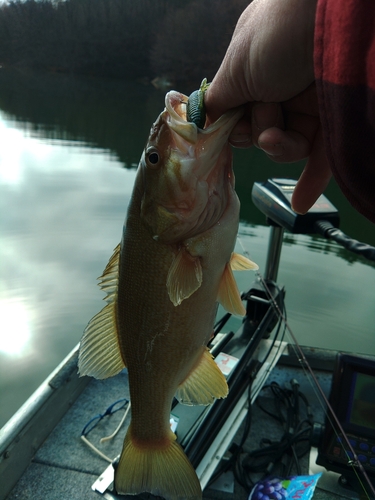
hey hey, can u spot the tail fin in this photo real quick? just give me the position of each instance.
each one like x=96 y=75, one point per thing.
x=161 y=469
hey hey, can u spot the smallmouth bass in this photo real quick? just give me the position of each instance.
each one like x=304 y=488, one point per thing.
x=163 y=283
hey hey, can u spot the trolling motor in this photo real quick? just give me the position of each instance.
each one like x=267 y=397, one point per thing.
x=273 y=198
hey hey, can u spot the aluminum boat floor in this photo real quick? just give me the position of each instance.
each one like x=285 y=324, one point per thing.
x=65 y=468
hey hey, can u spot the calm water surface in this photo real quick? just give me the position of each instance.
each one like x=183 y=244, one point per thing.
x=68 y=152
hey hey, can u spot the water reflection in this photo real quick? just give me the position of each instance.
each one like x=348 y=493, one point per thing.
x=62 y=209
x=64 y=143
x=329 y=299
x=111 y=115
x=15 y=319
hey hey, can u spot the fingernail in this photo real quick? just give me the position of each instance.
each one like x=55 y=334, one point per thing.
x=241 y=139
x=272 y=149
x=265 y=115
x=299 y=212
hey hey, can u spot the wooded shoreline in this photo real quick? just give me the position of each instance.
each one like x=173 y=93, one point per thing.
x=175 y=40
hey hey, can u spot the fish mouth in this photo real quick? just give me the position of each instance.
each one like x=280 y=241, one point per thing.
x=198 y=173
x=175 y=105
x=198 y=149
x=216 y=133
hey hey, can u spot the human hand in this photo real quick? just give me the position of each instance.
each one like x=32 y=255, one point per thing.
x=268 y=69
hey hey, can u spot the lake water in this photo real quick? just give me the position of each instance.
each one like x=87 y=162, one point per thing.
x=68 y=152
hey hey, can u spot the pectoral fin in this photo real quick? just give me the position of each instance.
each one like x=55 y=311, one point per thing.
x=229 y=296
x=240 y=263
x=184 y=276
x=204 y=384
x=99 y=352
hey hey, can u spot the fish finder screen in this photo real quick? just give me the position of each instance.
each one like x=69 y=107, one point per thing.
x=361 y=408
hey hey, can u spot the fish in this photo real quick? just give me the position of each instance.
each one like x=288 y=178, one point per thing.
x=164 y=282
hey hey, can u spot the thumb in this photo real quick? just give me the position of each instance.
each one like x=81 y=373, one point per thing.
x=222 y=95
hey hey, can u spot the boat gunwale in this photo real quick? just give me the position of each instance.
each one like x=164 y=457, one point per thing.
x=28 y=428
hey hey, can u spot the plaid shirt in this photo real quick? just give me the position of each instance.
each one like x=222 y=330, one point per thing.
x=344 y=56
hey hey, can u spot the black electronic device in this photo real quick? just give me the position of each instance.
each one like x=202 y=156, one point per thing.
x=352 y=398
x=273 y=198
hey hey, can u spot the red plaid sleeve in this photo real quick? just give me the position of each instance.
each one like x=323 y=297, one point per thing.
x=344 y=56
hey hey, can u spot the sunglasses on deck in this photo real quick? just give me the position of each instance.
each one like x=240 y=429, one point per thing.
x=91 y=424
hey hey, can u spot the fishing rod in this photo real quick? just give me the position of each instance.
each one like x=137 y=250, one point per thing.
x=354 y=462
x=273 y=198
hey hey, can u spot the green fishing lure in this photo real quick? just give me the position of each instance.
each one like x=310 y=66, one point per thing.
x=195 y=108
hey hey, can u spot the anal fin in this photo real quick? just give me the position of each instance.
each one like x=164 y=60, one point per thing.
x=204 y=384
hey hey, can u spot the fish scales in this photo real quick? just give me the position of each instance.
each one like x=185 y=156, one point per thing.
x=164 y=283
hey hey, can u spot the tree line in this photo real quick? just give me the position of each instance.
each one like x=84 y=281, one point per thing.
x=178 y=40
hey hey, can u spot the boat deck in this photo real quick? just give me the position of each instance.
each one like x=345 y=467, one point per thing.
x=65 y=468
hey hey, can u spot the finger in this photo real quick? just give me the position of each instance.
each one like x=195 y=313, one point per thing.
x=314 y=178
x=284 y=146
x=241 y=135
x=265 y=116
x=291 y=144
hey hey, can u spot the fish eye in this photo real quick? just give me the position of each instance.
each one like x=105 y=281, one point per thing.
x=152 y=157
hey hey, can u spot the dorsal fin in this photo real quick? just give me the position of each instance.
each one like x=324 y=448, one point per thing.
x=99 y=352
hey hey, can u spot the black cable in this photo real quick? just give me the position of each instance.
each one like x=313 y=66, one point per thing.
x=279 y=394
x=330 y=232
x=269 y=460
x=282 y=455
x=239 y=473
